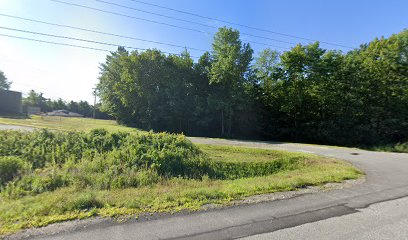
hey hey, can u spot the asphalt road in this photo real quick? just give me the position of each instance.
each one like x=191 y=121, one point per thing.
x=334 y=212
x=14 y=127
x=385 y=220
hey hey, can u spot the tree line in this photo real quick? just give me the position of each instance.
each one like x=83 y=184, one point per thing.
x=305 y=94
x=36 y=99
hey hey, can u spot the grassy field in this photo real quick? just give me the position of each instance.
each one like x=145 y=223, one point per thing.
x=61 y=176
x=67 y=124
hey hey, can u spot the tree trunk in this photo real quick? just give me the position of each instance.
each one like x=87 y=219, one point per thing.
x=222 y=122
x=229 y=124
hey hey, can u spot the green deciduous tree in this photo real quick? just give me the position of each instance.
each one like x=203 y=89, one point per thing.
x=306 y=94
x=34 y=99
x=231 y=60
x=4 y=84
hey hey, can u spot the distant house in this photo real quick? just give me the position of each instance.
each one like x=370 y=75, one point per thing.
x=63 y=113
x=10 y=102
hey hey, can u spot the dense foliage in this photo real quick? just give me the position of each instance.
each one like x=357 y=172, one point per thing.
x=96 y=159
x=41 y=161
x=305 y=94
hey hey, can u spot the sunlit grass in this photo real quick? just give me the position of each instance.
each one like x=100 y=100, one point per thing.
x=240 y=154
x=66 y=123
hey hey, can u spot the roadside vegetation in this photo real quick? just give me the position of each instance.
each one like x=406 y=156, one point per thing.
x=52 y=176
x=398 y=147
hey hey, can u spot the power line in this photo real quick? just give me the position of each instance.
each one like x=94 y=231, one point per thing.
x=128 y=16
x=188 y=21
x=79 y=39
x=154 y=13
x=237 y=24
x=98 y=32
x=55 y=43
x=118 y=35
x=165 y=24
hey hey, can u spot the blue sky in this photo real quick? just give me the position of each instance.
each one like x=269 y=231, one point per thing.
x=70 y=73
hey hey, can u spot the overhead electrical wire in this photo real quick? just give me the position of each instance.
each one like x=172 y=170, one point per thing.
x=154 y=13
x=183 y=20
x=163 y=23
x=55 y=43
x=118 y=35
x=77 y=39
x=106 y=33
x=98 y=32
x=128 y=16
x=238 y=24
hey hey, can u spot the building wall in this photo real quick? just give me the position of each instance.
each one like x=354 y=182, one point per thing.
x=10 y=102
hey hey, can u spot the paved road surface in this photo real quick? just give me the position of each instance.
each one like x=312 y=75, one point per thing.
x=14 y=127
x=386 y=220
x=303 y=216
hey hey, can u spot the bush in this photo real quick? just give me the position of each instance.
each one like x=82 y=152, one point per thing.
x=10 y=168
x=97 y=159
x=84 y=201
x=401 y=147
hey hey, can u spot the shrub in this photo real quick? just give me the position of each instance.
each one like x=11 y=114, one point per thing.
x=401 y=147
x=99 y=159
x=84 y=201
x=38 y=181
x=10 y=168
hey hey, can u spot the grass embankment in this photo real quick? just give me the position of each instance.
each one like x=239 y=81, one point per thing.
x=65 y=123
x=58 y=176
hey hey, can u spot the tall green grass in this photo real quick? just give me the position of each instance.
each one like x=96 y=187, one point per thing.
x=96 y=159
